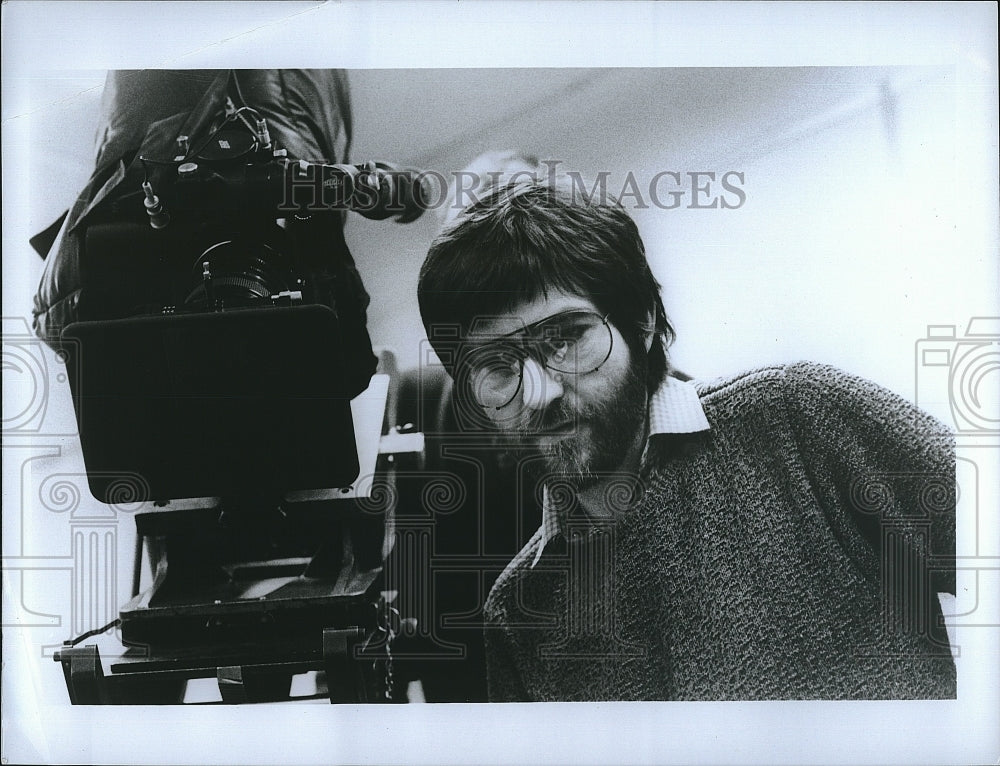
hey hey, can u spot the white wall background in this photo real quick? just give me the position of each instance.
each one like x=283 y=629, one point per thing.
x=858 y=229
x=871 y=213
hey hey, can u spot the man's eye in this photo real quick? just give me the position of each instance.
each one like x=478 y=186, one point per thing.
x=575 y=330
x=560 y=348
x=508 y=360
x=502 y=365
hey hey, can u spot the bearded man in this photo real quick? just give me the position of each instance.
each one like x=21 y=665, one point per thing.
x=780 y=534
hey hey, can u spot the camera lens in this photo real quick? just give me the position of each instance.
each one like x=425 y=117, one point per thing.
x=241 y=274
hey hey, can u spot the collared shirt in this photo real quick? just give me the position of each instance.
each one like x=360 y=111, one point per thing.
x=674 y=408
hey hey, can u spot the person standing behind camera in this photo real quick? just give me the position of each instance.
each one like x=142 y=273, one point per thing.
x=143 y=114
x=779 y=534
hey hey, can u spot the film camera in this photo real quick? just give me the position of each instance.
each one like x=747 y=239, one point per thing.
x=225 y=380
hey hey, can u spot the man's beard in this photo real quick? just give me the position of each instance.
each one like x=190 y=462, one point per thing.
x=591 y=443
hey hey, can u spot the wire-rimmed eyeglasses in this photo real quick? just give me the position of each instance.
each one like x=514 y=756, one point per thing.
x=570 y=342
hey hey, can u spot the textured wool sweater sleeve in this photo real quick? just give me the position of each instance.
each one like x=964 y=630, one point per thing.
x=502 y=676
x=893 y=468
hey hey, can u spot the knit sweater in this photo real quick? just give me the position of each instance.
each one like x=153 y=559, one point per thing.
x=793 y=551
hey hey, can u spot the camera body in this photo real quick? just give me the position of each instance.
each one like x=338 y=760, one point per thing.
x=219 y=352
x=217 y=316
x=232 y=223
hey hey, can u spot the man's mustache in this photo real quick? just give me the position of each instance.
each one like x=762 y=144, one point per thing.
x=556 y=418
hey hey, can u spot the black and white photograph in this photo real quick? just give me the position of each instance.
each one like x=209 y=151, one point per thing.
x=517 y=382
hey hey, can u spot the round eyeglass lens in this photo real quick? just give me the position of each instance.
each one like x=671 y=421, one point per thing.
x=575 y=342
x=495 y=375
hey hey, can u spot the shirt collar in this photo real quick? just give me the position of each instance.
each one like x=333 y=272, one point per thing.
x=674 y=408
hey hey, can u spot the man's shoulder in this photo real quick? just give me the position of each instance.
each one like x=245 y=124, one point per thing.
x=753 y=388
x=762 y=385
x=810 y=394
x=770 y=376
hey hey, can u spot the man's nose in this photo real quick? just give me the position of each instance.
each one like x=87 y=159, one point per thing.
x=540 y=386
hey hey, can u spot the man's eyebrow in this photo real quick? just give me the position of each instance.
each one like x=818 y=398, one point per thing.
x=512 y=341
x=523 y=332
x=526 y=329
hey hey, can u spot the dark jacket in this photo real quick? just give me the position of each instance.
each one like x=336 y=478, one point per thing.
x=308 y=113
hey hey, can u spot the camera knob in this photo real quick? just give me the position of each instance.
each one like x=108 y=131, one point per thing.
x=188 y=170
x=158 y=215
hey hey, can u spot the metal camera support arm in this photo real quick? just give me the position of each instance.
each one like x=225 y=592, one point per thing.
x=341 y=623
x=350 y=677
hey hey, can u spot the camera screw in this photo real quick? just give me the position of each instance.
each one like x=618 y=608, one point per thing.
x=262 y=134
x=158 y=215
